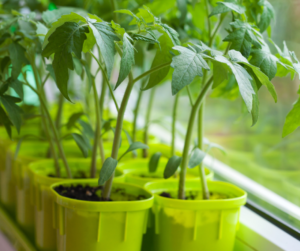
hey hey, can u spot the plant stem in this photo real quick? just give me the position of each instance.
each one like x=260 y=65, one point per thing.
x=190 y=95
x=102 y=97
x=113 y=6
x=55 y=133
x=151 y=71
x=201 y=167
x=97 y=139
x=174 y=117
x=119 y=125
x=59 y=111
x=147 y=121
x=48 y=133
x=107 y=80
x=136 y=112
x=188 y=138
x=207 y=17
x=117 y=137
x=211 y=39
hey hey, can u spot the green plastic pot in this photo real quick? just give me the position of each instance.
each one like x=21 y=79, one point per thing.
x=15 y=175
x=96 y=226
x=31 y=152
x=7 y=182
x=136 y=171
x=45 y=235
x=206 y=225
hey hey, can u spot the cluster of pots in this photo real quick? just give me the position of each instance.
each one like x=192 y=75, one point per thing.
x=54 y=222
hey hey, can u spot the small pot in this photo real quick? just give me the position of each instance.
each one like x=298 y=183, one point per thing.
x=97 y=226
x=45 y=235
x=7 y=181
x=206 y=225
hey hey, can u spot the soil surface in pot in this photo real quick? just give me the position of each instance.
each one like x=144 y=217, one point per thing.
x=195 y=195
x=88 y=193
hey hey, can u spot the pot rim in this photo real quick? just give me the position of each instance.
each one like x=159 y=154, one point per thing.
x=102 y=206
x=192 y=185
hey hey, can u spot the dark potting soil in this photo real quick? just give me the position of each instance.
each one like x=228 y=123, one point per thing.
x=194 y=195
x=88 y=193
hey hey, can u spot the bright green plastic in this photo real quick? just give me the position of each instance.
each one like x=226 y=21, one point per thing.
x=136 y=171
x=101 y=226
x=15 y=180
x=45 y=235
x=193 y=225
x=30 y=152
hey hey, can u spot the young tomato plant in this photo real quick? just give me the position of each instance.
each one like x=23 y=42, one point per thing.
x=73 y=34
x=247 y=59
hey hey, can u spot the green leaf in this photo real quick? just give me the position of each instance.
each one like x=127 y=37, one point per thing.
x=4 y=120
x=292 y=121
x=134 y=146
x=153 y=163
x=77 y=66
x=182 y=7
x=128 y=12
x=196 y=158
x=145 y=15
x=127 y=59
x=83 y=143
x=139 y=37
x=243 y=37
x=187 y=65
x=261 y=77
x=107 y=170
x=50 y=69
x=172 y=166
x=265 y=61
x=243 y=79
x=18 y=59
x=41 y=31
x=297 y=64
x=171 y=33
x=13 y=111
x=220 y=74
x=105 y=38
x=223 y=7
x=51 y=16
x=267 y=15
x=17 y=85
x=67 y=39
x=72 y=17
x=73 y=119
x=162 y=56
x=87 y=129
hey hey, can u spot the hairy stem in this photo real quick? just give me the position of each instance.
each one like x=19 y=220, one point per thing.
x=147 y=121
x=107 y=80
x=188 y=138
x=117 y=137
x=119 y=125
x=136 y=112
x=55 y=133
x=59 y=111
x=97 y=139
x=113 y=6
x=40 y=87
x=203 y=182
x=174 y=117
